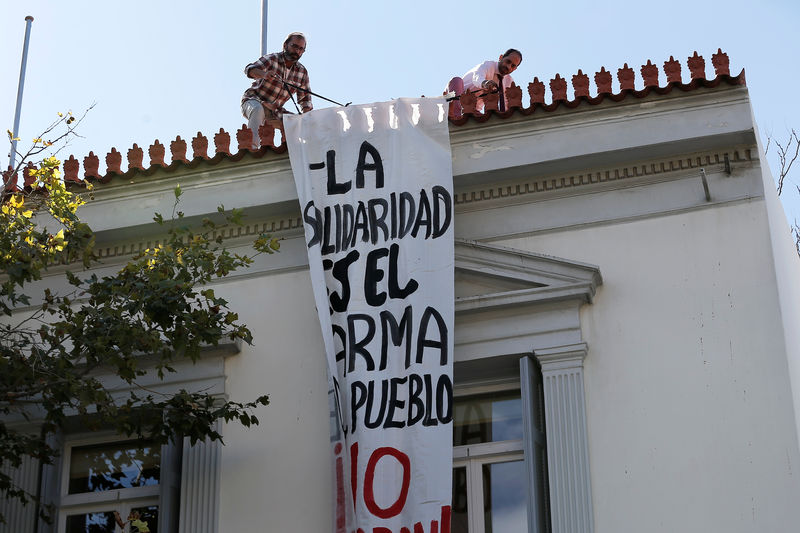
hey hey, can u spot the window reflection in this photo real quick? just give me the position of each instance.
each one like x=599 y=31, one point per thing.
x=148 y=515
x=487 y=418
x=91 y=523
x=112 y=466
x=459 y=518
x=105 y=522
x=504 y=508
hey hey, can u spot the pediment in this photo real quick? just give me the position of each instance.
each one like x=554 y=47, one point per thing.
x=488 y=275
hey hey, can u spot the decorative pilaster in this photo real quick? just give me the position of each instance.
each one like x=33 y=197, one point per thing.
x=567 y=441
x=200 y=475
x=21 y=517
x=170 y=481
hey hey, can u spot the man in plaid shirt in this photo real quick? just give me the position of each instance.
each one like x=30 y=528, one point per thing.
x=264 y=100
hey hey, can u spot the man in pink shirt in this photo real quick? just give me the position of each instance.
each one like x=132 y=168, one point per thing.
x=488 y=77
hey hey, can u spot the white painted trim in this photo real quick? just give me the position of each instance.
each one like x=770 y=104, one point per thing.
x=200 y=481
x=567 y=439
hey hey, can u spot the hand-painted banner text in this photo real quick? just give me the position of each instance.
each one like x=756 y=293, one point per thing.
x=375 y=189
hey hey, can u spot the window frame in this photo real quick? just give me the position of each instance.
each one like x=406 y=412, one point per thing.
x=474 y=456
x=120 y=500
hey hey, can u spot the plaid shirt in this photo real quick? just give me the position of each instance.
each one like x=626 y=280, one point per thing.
x=271 y=90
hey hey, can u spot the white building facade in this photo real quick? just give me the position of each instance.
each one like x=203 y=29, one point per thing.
x=627 y=342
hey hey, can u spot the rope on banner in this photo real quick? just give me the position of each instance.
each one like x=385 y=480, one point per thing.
x=312 y=93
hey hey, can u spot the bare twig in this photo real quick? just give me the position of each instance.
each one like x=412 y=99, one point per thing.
x=787 y=155
x=41 y=144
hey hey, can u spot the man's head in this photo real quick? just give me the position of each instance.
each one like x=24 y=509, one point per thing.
x=294 y=46
x=508 y=62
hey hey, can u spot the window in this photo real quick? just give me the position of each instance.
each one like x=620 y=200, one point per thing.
x=493 y=482
x=100 y=479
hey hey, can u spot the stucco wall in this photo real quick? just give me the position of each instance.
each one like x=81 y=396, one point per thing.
x=690 y=420
x=277 y=476
x=787 y=273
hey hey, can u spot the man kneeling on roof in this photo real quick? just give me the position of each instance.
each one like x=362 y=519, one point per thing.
x=277 y=77
x=488 y=77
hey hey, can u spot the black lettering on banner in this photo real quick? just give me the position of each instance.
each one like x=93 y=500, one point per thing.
x=358 y=397
x=358 y=347
x=372 y=276
x=428 y=421
x=376 y=165
x=378 y=221
x=390 y=329
x=385 y=407
x=393 y=203
x=441 y=196
x=422 y=338
x=362 y=223
x=395 y=292
x=348 y=225
x=338 y=331
x=444 y=391
x=374 y=424
x=333 y=187
x=394 y=403
x=415 y=387
x=407 y=208
x=338 y=209
x=327 y=247
x=341 y=226
x=327 y=264
x=423 y=215
x=313 y=217
x=339 y=303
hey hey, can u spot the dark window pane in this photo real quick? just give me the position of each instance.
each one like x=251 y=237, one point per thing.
x=148 y=515
x=110 y=466
x=504 y=509
x=487 y=418
x=91 y=523
x=459 y=517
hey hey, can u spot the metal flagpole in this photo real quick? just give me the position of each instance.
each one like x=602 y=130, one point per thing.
x=263 y=27
x=12 y=156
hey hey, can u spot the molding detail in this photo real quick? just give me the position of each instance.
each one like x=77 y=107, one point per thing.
x=567 y=440
x=248 y=230
x=200 y=476
x=554 y=183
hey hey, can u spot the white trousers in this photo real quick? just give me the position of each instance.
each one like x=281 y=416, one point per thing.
x=253 y=111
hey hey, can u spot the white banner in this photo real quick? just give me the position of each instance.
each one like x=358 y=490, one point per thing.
x=375 y=186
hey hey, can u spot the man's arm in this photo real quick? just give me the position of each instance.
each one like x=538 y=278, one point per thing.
x=478 y=77
x=260 y=68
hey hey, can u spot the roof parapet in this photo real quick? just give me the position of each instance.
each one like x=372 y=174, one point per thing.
x=626 y=78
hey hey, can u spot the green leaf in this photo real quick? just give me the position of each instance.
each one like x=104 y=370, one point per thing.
x=140 y=525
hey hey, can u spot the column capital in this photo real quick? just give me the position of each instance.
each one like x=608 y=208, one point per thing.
x=565 y=357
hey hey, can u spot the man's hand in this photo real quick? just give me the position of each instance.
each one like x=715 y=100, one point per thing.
x=489 y=85
x=257 y=73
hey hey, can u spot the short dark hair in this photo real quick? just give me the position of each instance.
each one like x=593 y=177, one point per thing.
x=513 y=51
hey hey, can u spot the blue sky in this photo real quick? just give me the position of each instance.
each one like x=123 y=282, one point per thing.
x=157 y=69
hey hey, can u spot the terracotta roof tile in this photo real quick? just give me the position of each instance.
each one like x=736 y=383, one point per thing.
x=603 y=80
x=536 y=94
